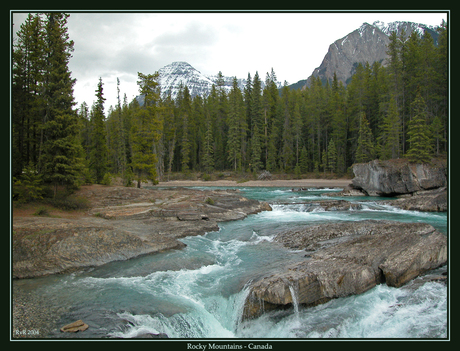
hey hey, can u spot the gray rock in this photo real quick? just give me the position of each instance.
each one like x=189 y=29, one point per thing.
x=347 y=191
x=348 y=258
x=265 y=175
x=431 y=201
x=395 y=177
x=121 y=228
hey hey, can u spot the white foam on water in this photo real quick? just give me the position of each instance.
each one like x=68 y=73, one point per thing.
x=256 y=238
x=373 y=206
x=206 y=301
x=298 y=213
x=214 y=317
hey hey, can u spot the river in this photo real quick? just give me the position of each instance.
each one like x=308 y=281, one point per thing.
x=198 y=292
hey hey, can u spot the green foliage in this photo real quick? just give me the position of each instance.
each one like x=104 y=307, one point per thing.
x=29 y=187
x=323 y=127
x=437 y=130
x=208 y=156
x=365 y=150
x=146 y=129
x=206 y=177
x=60 y=156
x=99 y=151
x=390 y=137
x=209 y=201
x=419 y=134
x=297 y=171
x=128 y=178
x=332 y=156
x=107 y=179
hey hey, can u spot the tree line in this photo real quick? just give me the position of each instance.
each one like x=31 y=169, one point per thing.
x=392 y=111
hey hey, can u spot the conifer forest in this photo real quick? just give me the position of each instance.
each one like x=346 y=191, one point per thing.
x=399 y=110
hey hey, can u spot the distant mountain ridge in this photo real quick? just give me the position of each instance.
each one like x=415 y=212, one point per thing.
x=368 y=43
x=179 y=73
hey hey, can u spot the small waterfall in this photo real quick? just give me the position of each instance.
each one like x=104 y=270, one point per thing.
x=239 y=305
x=294 y=289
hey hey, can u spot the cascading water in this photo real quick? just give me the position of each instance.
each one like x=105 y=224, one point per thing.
x=199 y=291
x=293 y=289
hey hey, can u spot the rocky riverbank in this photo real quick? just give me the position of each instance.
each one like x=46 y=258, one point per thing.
x=121 y=223
x=418 y=187
x=347 y=258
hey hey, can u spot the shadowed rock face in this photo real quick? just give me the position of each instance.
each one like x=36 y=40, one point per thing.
x=419 y=187
x=346 y=259
x=123 y=223
x=396 y=177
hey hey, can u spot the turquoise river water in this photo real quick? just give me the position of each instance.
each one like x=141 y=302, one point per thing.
x=198 y=292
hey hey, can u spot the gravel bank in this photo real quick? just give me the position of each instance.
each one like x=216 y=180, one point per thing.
x=33 y=317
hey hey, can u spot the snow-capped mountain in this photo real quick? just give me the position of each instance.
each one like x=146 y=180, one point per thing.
x=408 y=27
x=368 y=43
x=179 y=73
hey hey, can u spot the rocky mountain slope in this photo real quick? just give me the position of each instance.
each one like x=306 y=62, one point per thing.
x=368 y=43
x=179 y=73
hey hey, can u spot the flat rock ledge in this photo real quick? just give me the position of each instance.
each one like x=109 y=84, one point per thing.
x=123 y=223
x=345 y=259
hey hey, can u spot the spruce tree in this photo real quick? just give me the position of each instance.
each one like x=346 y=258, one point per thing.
x=121 y=142
x=208 y=153
x=184 y=103
x=146 y=130
x=256 y=163
x=287 y=157
x=419 y=133
x=437 y=133
x=272 y=150
x=256 y=124
x=303 y=162
x=391 y=132
x=365 y=150
x=27 y=102
x=60 y=157
x=169 y=132
x=332 y=156
x=99 y=151
x=248 y=108
x=234 y=121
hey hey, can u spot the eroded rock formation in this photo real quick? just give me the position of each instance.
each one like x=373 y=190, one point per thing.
x=123 y=223
x=347 y=258
x=396 y=177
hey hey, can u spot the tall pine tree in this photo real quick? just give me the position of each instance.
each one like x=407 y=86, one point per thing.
x=98 y=153
x=146 y=130
x=235 y=125
x=419 y=133
x=365 y=150
x=61 y=153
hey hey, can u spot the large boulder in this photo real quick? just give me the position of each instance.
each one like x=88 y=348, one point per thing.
x=345 y=259
x=395 y=177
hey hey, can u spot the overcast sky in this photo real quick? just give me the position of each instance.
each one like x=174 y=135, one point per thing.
x=120 y=44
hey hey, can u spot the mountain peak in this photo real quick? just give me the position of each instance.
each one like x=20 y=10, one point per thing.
x=368 y=43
